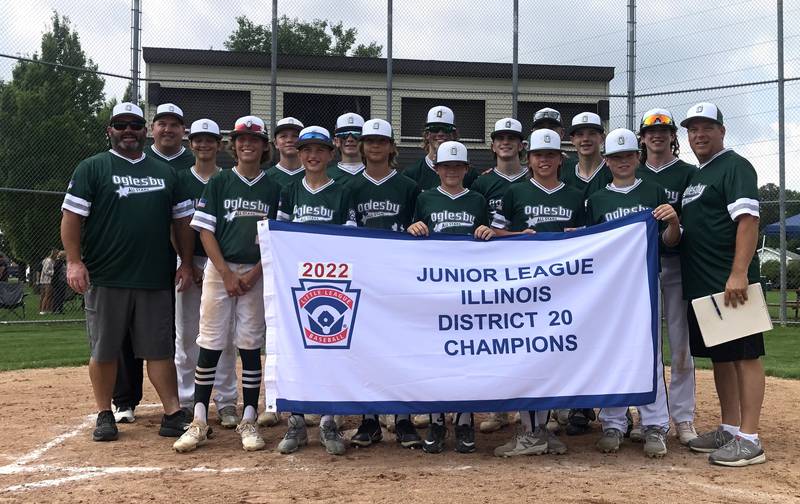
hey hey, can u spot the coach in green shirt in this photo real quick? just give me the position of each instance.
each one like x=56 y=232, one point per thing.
x=720 y=218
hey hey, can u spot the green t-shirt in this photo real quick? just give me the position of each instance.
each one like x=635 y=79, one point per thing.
x=532 y=206
x=343 y=172
x=720 y=191
x=423 y=173
x=673 y=177
x=494 y=185
x=328 y=204
x=128 y=208
x=445 y=213
x=191 y=186
x=284 y=177
x=183 y=160
x=231 y=207
x=383 y=204
x=598 y=180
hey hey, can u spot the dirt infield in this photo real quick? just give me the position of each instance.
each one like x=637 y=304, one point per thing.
x=47 y=456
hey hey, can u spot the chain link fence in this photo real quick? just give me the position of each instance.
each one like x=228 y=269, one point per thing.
x=61 y=71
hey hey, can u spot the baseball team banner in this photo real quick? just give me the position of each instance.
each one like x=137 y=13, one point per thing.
x=366 y=321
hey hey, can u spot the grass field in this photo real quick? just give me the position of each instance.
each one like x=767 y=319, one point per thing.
x=73 y=309
x=53 y=345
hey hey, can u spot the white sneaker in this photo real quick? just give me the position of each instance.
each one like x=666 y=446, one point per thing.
x=339 y=420
x=268 y=419
x=387 y=421
x=251 y=439
x=495 y=422
x=195 y=435
x=124 y=415
x=685 y=432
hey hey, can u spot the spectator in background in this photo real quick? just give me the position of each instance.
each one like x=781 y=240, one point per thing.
x=59 y=282
x=3 y=268
x=45 y=283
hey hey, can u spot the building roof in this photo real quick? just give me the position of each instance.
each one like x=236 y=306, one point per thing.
x=172 y=56
x=790 y=256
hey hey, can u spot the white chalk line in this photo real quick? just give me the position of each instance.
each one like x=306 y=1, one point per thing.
x=23 y=464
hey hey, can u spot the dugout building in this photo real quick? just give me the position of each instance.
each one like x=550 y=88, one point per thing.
x=225 y=85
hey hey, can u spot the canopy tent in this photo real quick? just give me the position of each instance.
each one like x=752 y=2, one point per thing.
x=792 y=227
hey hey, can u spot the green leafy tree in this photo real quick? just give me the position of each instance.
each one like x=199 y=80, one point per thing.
x=316 y=38
x=48 y=123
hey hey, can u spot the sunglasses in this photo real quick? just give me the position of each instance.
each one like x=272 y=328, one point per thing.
x=122 y=125
x=440 y=129
x=248 y=127
x=553 y=115
x=345 y=134
x=657 y=120
x=314 y=135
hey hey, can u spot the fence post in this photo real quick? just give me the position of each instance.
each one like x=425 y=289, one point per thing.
x=631 y=64
x=273 y=83
x=515 y=63
x=136 y=19
x=389 y=105
x=781 y=165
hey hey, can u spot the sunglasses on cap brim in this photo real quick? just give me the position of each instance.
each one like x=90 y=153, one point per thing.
x=547 y=115
x=244 y=128
x=657 y=120
x=440 y=128
x=123 y=125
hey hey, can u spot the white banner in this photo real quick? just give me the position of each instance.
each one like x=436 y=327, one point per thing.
x=365 y=321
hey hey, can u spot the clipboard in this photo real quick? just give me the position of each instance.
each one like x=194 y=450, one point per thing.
x=720 y=324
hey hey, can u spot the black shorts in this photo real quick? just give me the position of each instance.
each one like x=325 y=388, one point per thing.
x=749 y=347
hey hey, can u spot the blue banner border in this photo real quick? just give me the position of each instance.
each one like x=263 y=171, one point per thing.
x=513 y=404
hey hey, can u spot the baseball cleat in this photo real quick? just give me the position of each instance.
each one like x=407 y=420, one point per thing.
x=295 y=437
x=195 y=435
x=251 y=439
x=610 y=441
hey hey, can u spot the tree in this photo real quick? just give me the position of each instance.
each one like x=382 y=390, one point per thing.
x=48 y=123
x=316 y=38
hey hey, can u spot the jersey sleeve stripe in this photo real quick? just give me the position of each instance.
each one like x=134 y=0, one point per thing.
x=743 y=206
x=76 y=205
x=283 y=216
x=183 y=209
x=499 y=221
x=202 y=220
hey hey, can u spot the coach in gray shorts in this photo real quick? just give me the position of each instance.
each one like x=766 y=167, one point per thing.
x=126 y=204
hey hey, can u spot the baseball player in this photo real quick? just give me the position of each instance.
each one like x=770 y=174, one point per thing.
x=543 y=203
x=659 y=163
x=168 y=129
x=627 y=194
x=346 y=134
x=720 y=211
x=507 y=144
x=590 y=173
x=439 y=127
x=205 y=141
x=288 y=169
x=382 y=199
x=316 y=198
x=226 y=217
x=450 y=208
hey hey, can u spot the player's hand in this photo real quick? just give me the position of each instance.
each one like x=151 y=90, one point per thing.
x=736 y=289
x=528 y=231
x=569 y=230
x=418 y=229
x=197 y=276
x=184 y=276
x=233 y=285
x=484 y=233
x=249 y=279
x=77 y=276
x=666 y=213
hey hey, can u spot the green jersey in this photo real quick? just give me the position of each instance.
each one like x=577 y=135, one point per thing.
x=344 y=172
x=424 y=174
x=328 y=204
x=128 y=208
x=387 y=203
x=533 y=206
x=613 y=202
x=191 y=186
x=444 y=213
x=283 y=176
x=231 y=207
x=596 y=181
x=494 y=185
x=720 y=191
x=183 y=160
x=673 y=177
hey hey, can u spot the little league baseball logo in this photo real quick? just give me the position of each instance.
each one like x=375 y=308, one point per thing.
x=326 y=312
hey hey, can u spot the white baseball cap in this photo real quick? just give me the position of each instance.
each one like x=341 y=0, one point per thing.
x=621 y=140
x=657 y=117
x=547 y=114
x=314 y=135
x=703 y=110
x=249 y=125
x=166 y=109
x=544 y=139
x=586 y=120
x=288 y=123
x=349 y=122
x=508 y=125
x=126 y=108
x=377 y=127
x=441 y=115
x=204 y=127
x=451 y=151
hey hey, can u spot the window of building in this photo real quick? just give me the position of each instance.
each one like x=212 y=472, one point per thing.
x=323 y=109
